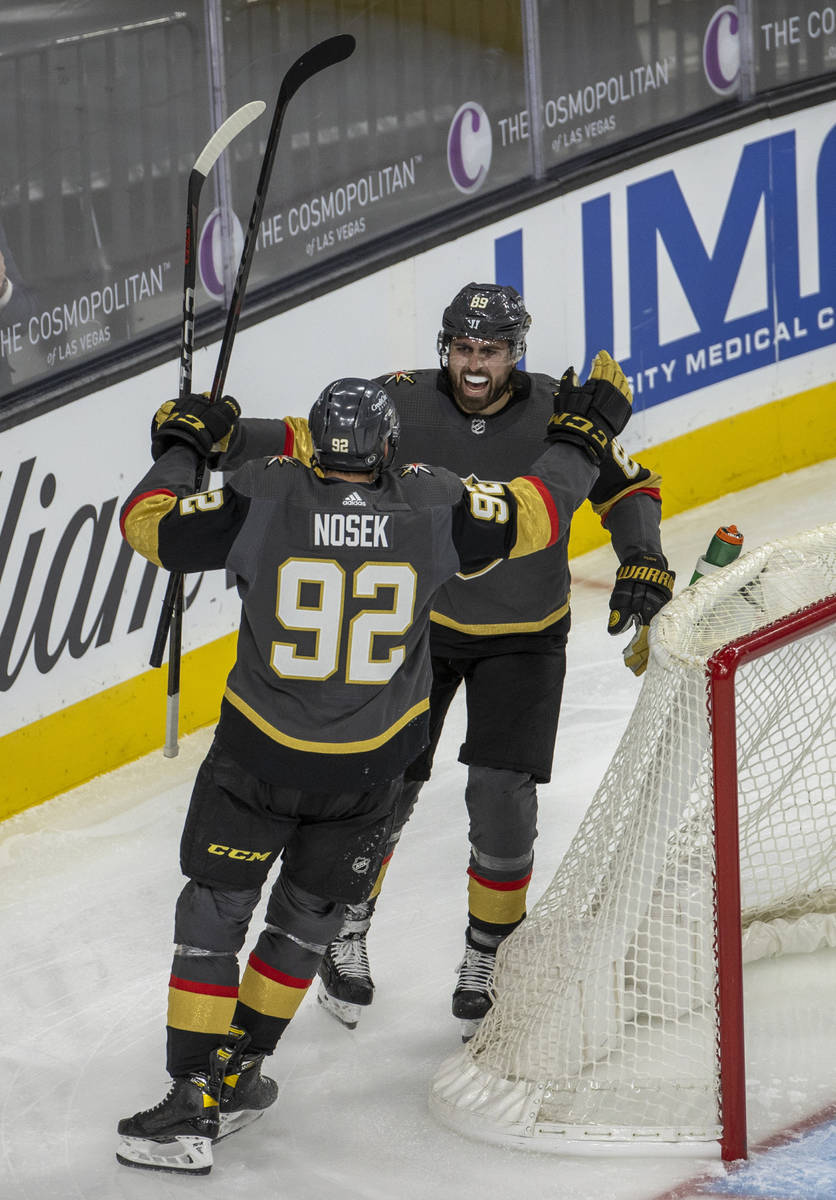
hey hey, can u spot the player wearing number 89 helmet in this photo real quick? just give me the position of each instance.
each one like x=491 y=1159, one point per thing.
x=489 y=312
x=481 y=340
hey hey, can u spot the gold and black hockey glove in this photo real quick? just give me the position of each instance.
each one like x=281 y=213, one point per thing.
x=643 y=585
x=592 y=414
x=205 y=427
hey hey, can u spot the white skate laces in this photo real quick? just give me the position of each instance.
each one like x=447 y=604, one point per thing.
x=350 y=957
x=476 y=970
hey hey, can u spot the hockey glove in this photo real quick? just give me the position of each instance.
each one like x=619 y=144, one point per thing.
x=205 y=427
x=643 y=584
x=593 y=414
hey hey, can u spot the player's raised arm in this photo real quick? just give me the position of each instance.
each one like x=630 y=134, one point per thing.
x=259 y=437
x=162 y=519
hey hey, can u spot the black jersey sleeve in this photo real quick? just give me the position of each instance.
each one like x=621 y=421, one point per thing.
x=260 y=437
x=166 y=522
x=627 y=497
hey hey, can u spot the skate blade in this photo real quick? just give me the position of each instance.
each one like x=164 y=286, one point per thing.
x=469 y=1027
x=347 y=1014
x=185 y=1154
x=232 y=1122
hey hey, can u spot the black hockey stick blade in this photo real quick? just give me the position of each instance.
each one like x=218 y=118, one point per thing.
x=324 y=54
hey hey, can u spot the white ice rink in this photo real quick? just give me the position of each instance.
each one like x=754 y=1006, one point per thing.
x=88 y=886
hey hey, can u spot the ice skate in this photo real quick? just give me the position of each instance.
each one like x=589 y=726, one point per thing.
x=246 y=1093
x=346 y=986
x=176 y=1134
x=472 y=997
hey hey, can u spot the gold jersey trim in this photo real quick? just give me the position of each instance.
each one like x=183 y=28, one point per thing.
x=294 y=743
x=536 y=525
x=654 y=481
x=302 y=440
x=143 y=522
x=493 y=630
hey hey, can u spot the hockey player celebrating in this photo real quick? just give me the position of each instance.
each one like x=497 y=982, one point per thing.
x=337 y=565
x=503 y=633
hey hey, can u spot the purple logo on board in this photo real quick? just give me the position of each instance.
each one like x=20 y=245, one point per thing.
x=210 y=252
x=721 y=50
x=469 y=147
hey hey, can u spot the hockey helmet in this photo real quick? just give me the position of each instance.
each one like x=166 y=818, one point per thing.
x=486 y=311
x=354 y=426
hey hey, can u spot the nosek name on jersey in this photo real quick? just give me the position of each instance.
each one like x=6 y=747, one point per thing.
x=366 y=530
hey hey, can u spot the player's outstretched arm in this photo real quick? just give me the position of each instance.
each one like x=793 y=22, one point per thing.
x=262 y=437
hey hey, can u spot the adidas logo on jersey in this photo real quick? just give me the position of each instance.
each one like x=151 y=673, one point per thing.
x=356 y=499
x=369 y=530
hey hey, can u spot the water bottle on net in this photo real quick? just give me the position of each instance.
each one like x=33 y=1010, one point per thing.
x=723 y=549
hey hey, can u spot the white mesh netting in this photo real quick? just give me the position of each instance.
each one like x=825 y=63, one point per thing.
x=605 y=1021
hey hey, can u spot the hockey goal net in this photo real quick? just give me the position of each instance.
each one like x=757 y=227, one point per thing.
x=618 y=1011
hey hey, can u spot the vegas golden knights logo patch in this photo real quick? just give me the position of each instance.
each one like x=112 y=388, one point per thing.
x=400 y=377
x=415 y=469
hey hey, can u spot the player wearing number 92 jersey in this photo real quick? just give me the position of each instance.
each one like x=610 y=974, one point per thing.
x=330 y=688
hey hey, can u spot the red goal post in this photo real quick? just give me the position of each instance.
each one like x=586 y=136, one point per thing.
x=710 y=842
x=722 y=674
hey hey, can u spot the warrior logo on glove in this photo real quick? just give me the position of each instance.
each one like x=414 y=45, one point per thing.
x=643 y=585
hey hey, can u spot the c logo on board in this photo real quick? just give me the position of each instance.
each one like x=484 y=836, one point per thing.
x=721 y=50
x=210 y=252
x=469 y=147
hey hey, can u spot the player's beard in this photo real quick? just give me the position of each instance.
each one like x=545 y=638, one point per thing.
x=470 y=403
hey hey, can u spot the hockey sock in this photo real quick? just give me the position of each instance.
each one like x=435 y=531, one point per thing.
x=496 y=893
x=278 y=974
x=202 y=993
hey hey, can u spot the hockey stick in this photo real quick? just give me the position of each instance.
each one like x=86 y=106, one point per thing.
x=207 y=158
x=325 y=54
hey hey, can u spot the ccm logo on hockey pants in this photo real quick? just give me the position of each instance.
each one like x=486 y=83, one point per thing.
x=243 y=855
